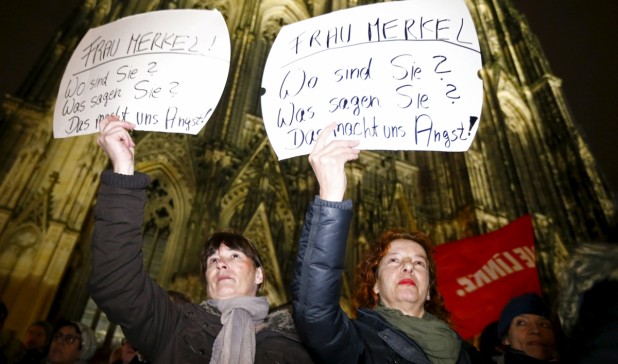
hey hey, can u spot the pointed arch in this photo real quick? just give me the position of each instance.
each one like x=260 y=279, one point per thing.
x=258 y=229
x=275 y=14
x=172 y=192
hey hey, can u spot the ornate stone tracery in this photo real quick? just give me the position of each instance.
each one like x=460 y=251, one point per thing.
x=528 y=158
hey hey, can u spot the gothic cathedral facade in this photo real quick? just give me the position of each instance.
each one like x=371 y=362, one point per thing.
x=528 y=158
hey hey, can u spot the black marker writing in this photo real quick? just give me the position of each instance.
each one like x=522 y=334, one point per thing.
x=162 y=42
x=99 y=51
x=354 y=73
x=294 y=83
x=354 y=103
x=328 y=38
x=290 y=113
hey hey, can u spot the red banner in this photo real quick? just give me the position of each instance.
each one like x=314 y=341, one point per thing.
x=479 y=275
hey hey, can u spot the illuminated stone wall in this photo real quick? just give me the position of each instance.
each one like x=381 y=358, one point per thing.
x=527 y=158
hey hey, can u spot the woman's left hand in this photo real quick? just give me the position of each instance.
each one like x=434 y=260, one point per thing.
x=328 y=162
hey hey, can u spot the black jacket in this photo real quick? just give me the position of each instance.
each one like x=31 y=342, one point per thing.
x=163 y=331
x=316 y=290
x=512 y=356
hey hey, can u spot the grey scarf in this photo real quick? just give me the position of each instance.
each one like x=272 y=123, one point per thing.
x=235 y=343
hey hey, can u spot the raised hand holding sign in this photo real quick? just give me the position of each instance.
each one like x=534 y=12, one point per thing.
x=162 y=71
x=397 y=76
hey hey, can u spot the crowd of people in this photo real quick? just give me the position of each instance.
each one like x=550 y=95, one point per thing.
x=399 y=314
x=67 y=342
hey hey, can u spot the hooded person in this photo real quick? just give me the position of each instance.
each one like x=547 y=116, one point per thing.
x=588 y=305
x=72 y=343
x=526 y=331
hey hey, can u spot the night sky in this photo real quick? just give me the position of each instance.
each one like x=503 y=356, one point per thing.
x=578 y=36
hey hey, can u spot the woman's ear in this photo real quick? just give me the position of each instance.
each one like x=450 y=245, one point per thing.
x=376 y=289
x=259 y=276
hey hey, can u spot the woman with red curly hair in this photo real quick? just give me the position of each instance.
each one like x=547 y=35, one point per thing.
x=367 y=270
x=400 y=314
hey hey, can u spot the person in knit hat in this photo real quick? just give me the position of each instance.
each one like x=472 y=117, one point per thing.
x=526 y=331
x=72 y=343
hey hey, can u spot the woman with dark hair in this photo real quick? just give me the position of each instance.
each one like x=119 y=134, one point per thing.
x=399 y=312
x=233 y=326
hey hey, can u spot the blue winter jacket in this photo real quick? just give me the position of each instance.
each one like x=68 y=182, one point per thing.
x=316 y=289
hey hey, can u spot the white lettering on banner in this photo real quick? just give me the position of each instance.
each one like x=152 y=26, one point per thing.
x=499 y=266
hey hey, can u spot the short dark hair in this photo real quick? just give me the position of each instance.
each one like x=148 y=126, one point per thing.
x=234 y=241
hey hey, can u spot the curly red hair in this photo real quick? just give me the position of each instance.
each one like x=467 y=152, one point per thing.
x=367 y=272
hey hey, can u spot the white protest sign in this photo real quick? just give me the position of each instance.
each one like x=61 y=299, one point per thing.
x=399 y=75
x=163 y=71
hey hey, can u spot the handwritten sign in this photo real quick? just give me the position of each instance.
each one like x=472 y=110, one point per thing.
x=399 y=75
x=163 y=71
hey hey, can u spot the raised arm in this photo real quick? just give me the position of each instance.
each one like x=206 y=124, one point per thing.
x=118 y=283
x=316 y=288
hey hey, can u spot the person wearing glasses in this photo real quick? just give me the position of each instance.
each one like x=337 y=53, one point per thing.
x=72 y=343
x=233 y=326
